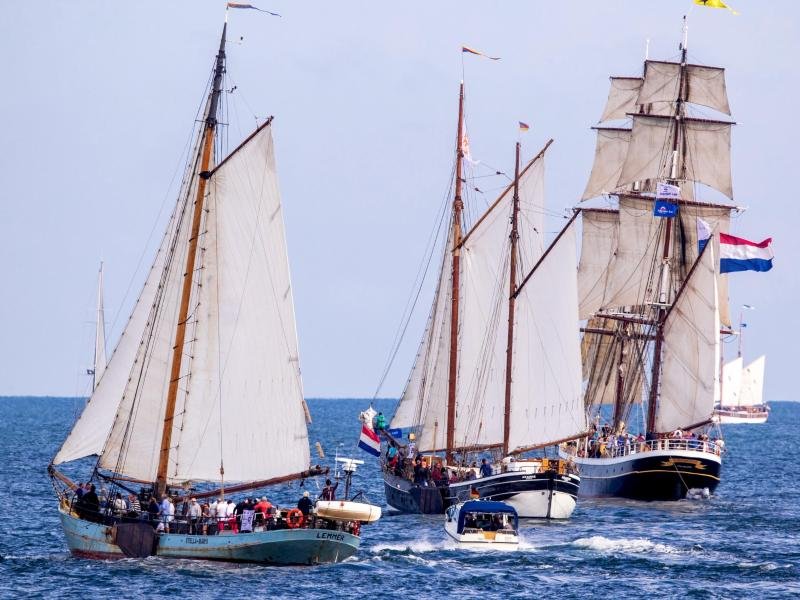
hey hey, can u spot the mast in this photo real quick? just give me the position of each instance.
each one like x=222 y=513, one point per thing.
x=188 y=274
x=512 y=288
x=99 y=334
x=663 y=296
x=458 y=206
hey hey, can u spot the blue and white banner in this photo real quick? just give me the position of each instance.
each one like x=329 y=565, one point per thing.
x=703 y=234
x=668 y=191
x=662 y=208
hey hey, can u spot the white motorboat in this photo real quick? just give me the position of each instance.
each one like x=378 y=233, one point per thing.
x=483 y=524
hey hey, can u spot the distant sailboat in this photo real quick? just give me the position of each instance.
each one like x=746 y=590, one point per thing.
x=498 y=367
x=202 y=395
x=99 y=334
x=743 y=393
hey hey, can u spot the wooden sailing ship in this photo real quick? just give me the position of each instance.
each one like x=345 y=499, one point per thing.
x=498 y=368
x=652 y=294
x=202 y=395
x=742 y=390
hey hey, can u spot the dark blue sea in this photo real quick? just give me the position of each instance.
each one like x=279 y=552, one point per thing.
x=742 y=543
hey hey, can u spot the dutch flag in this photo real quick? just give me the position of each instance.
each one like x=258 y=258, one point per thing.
x=737 y=254
x=369 y=441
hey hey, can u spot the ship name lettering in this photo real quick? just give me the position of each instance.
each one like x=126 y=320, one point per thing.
x=196 y=540
x=323 y=535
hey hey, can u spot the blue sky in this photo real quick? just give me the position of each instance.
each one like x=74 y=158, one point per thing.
x=100 y=99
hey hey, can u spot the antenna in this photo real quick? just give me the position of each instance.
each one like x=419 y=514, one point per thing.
x=685 y=42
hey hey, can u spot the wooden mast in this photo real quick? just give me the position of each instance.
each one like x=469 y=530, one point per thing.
x=512 y=287
x=188 y=275
x=458 y=206
x=665 y=267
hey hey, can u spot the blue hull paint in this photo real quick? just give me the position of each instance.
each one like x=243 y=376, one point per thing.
x=277 y=547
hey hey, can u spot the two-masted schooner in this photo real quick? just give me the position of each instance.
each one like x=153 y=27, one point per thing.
x=652 y=293
x=498 y=368
x=202 y=396
x=742 y=390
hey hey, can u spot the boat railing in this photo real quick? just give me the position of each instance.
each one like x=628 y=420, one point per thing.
x=598 y=449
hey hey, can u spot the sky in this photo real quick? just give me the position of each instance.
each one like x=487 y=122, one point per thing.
x=99 y=104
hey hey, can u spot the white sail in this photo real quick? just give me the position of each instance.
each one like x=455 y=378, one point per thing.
x=707 y=157
x=752 y=390
x=99 y=334
x=659 y=92
x=423 y=404
x=547 y=400
x=690 y=359
x=90 y=432
x=609 y=157
x=731 y=382
x=480 y=392
x=599 y=241
x=240 y=401
x=622 y=97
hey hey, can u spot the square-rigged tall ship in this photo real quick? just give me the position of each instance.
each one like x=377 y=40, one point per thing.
x=202 y=396
x=650 y=288
x=498 y=368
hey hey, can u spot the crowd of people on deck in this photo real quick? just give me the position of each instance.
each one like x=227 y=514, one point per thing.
x=607 y=443
x=403 y=461
x=190 y=515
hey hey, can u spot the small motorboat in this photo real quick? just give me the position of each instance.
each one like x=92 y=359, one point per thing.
x=483 y=524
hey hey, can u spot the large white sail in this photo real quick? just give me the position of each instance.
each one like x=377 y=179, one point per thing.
x=703 y=85
x=240 y=401
x=547 y=399
x=731 y=382
x=599 y=241
x=99 y=334
x=690 y=371
x=90 y=432
x=423 y=405
x=609 y=158
x=480 y=392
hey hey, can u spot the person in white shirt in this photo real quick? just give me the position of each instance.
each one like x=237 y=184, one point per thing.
x=195 y=512
x=222 y=511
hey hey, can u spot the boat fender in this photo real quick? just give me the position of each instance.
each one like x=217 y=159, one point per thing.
x=295 y=518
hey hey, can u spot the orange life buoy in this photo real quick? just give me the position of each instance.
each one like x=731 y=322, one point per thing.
x=295 y=518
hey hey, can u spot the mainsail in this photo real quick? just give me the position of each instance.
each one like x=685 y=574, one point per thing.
x=752 y=387
x=731 y=382
x=99 y=334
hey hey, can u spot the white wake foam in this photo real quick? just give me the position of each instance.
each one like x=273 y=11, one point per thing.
x=599 y=543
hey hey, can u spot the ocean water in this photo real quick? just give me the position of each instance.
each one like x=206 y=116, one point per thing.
x=743 y=542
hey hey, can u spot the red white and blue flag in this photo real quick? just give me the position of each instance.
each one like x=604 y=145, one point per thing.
x=369 y=441
x=738 y=254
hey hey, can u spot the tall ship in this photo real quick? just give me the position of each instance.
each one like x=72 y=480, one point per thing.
x=202 y=396
x=498 y=372
x=650 y=288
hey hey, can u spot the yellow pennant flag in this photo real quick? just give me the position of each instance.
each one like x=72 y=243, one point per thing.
x=715 y=4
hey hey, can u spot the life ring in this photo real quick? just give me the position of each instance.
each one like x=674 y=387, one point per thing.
x=295 y=518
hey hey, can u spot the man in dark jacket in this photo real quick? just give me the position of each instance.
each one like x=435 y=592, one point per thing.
x=305 y=504
x=329 y=491
x=91 y=504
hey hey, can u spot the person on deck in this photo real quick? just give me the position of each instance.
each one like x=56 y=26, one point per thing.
x=79 y=491
x=221 y=514
x=195 y=512
x=329 y=491
x=91 y=503
x=134 y=506
x=380 y=422
x=305 y=504
x=486 y=469
x=262 y=509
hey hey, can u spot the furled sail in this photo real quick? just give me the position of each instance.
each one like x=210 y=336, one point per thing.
x=703 y=85
x=707 y=152
x=753 y=383
x=609 y=158
x=547 y=400
x=731 y=382
x=690 y=359
x=622 y=97
x=240 y=401
x=90 y=432
x=423 y=404
x=599 y=241
x=480 y=391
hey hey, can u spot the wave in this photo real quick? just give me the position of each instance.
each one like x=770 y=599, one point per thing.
x=599 y=543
